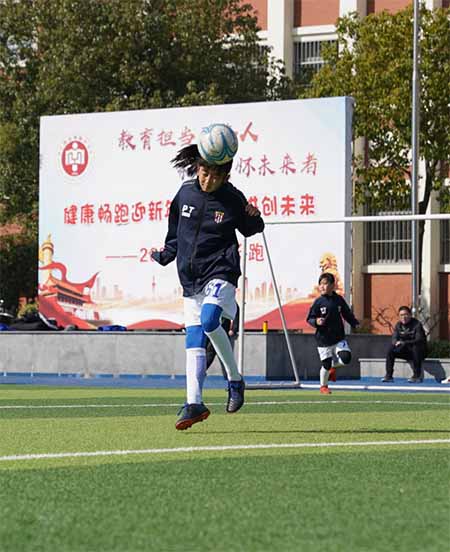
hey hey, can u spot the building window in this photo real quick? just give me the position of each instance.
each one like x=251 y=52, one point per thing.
x=308 y=58
x=387 y=241
x=445 y=241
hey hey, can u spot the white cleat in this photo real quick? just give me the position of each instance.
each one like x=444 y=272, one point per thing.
x=446 y=380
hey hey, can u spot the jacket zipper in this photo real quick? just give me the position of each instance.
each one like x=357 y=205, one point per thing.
x=197 y=230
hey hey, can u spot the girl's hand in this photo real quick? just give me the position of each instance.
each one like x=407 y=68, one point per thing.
x=252 y=210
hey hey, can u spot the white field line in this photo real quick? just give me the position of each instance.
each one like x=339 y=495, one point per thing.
x=370 y=387
x=218 y=448
x=248 y=403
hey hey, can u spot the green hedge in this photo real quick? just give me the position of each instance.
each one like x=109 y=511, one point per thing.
x=438 y=349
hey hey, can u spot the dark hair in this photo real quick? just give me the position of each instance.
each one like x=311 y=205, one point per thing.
x=189 y=159
x=328 y=277
x=404 y=308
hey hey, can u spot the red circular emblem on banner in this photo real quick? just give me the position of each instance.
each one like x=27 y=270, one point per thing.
x=74 y=158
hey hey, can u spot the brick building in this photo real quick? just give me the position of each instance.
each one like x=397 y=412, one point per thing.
x=296 y=30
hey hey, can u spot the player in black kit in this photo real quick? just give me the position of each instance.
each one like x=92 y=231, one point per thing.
x=325 y=315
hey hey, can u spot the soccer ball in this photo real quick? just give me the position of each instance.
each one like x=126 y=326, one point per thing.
x=217 y=144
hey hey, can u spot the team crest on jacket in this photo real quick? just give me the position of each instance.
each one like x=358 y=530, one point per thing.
x=218 y=216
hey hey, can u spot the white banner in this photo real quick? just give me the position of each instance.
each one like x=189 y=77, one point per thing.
x=106 y=183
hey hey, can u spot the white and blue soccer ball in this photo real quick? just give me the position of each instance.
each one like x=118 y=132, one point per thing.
x=217 y=144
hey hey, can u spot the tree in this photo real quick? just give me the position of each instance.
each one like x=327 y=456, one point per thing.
x=373 y=63
x=78 y=56
x=17 y=274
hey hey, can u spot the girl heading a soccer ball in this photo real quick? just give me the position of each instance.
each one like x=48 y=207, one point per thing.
x=204 y=216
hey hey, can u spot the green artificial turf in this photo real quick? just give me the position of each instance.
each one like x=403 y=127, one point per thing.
x=393 y=497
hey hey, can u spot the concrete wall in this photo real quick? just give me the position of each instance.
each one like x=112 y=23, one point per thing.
x=433 y=369
x=97 y=353
x=162 y=353
x=307 y=358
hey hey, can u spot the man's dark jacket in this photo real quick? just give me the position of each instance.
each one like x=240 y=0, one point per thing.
x=202 y=235
x=410 y=334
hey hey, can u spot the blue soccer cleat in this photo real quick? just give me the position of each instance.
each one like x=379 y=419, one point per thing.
x=192 y=413
x=235 y=395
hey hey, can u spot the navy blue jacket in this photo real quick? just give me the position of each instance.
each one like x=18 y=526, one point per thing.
x=202 y=235
x=333 y=308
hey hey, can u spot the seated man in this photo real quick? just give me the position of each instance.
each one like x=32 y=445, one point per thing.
x=408 y=343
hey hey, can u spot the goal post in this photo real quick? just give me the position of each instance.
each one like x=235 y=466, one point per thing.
x=348 y=219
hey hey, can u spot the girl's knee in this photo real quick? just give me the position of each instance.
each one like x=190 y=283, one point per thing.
x=210 y=317
x=345 y=356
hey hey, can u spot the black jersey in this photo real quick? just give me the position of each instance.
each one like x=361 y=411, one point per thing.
x=333 y=308
x=202 y=234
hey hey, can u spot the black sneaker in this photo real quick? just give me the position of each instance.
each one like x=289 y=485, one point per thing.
x=387 y=379
x=192 y=413
x=415 y=379
x=235 y=395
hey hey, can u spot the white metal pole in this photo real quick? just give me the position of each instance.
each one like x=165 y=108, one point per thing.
x=415 y=126
x=280 y=308
x=242 y=310
x=372 y=218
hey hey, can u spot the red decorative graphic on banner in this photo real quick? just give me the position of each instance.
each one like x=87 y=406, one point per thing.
x=288 y=165
x=87 y=214
x=138 y=212
x=126 y=140
x=269 y=205
x=256 y=252
x=74 y=158
x=245 y=166
x=146 y=136
x=70 y=303
x=310 y=164
x=165 y=138
x=121 y=213
x=264 y=167
x=104 y=213
x=168 y=204
x=70 y=215
x=287 y=205
x=247 y=132
x=155 y=210
x=307 y=206
x=186 y=137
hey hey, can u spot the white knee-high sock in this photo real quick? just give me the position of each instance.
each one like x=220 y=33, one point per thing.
x=222 y=345
x=195 y=374
x=324 y=376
